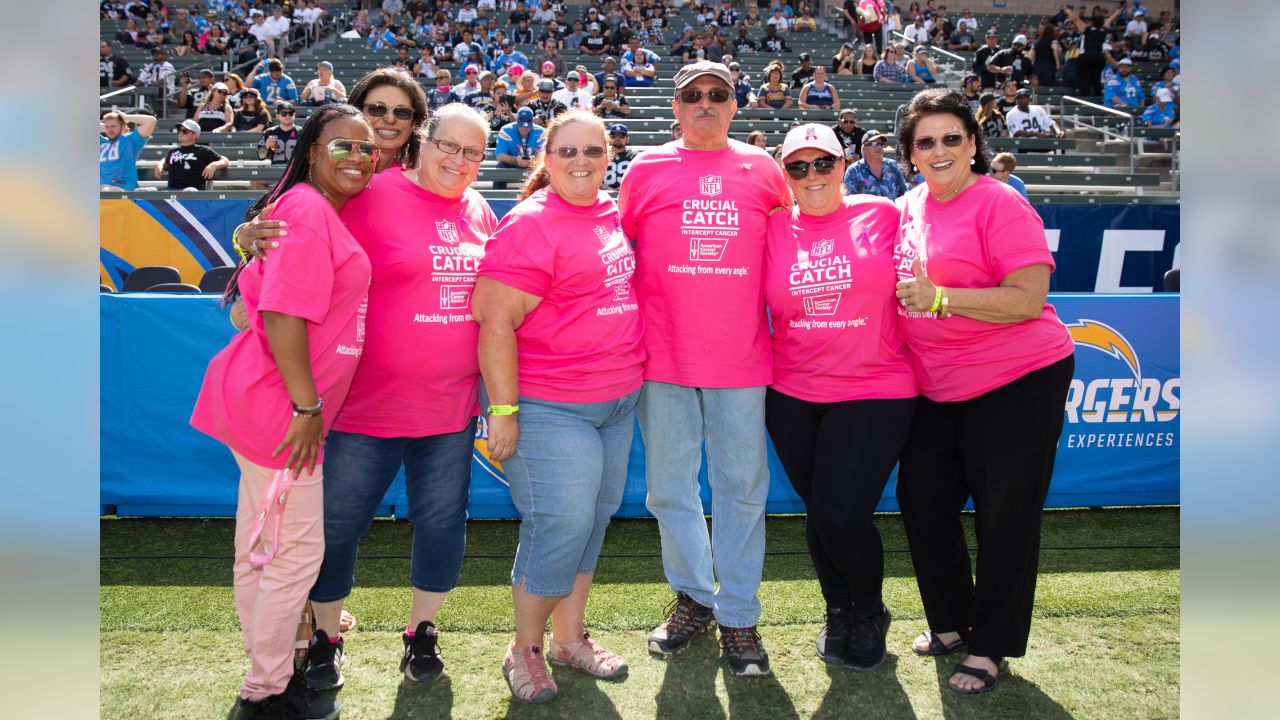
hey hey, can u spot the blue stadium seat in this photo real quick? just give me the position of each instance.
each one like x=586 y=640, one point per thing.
x=143 y=278
x=215 y=279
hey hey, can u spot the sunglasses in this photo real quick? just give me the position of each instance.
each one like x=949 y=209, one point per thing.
x=951 y=140
x=377 y=109
x=183 y=131
x=715 y=95
x=449 y=147
x=568 y=153
x=286 y=112
x=799 y=169
x=341 y=149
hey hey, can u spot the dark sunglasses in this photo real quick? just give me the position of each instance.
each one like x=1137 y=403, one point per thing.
x=377 y=109
x=568 y=153
x=799 y=169
x=951 y=140
x=341 y=149
x=286 y=112
x=715 y=95
x=452 y=148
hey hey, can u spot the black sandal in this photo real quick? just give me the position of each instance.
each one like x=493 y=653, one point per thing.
x=937 y=648
x=988 y=680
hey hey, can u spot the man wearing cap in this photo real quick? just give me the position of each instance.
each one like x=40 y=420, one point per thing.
x=325 y=88
x=482 y=101
x=545 y=107
x=119 y=147
x=518 y=142
x=621 y=157
x=594 y=43
x=849 y=135
x=1137 y=27
x=639 y=65
x=159 y=72
x=804 y=73
x=1027 y=120
x=743 y=93
x=277 y=141
x=874 y=174
x=1123 y=89
x=574 y=93
x=696 y=210
x=275 y=85
x=1161 y=113
x=470 y=85
x=1011 y=63
x=610 y=103
x=190 y=166
x=981 y=58
x=259 y=29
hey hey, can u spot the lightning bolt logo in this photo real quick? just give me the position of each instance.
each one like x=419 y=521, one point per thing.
x=1100 y=336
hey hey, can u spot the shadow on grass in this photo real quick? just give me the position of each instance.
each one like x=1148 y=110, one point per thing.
x=688 y=687
x=424 y=700
x=1013 y=696
x=877 y=693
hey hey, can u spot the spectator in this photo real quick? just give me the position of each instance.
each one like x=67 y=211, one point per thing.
x=261 y=32
x=866 y=62
x=966 y=32
x=844 y=62
x=773 y=42
x=982 y=58
x=212 y=41
x=677 y=132
x=639 y=65
x=275 y=85
x=278 y=140
x=574 y=94
x=215 y=112
x=1027 y=120
x=916 y=33
x=621 y=157
x=888 y=70
x=242 y=44
x=131 y=34
x=278 y=26
x=757 y=138
x=180 y=25
x=504 y=112
x=403 y=60
x=152 y=36
x=610 y=103
x=235 y=89
x=325 y=88
x=1046 y=56
x=874 y=174
x=1123 y=90
x=849 y=134
x=192 y=98
x=817 y=94
x=113 y=70
x=1002 y=167
x=778 y=21
x=1011 y=63
x=873 y=22
x=545 y=107
x=849 y=22
x=190 y=166
x=742 y=90
x=118 y=150
x=593 y=43
x=990 y=118
x=548 y=72
x=519 y=142
x=1070 y=39
x=1137 y=27
x=805 y=23
x=609 y=68
x=922 y=69
x=509 y=56
x=1162 y=113
x=804 y=73
x=1008 y=98
x=971 y=91
x=774 y=93
x=252 y=115
x=550 y=54
x=483 y=101
x=1091 y=61
x=1168 y=80
x=442 y=94
x=470 y=83
x=159 y=72
x=186 y=45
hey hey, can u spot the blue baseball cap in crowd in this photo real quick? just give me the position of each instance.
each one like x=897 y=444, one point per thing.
x=524 y=118
x=619 y=128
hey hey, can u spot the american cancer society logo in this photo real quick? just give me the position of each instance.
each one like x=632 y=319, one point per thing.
x=448 y=231
x=710 y=185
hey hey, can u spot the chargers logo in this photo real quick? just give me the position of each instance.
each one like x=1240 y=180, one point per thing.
x=1128 y=399
x=1101 y=336
x=480 y=452
x=709 y=185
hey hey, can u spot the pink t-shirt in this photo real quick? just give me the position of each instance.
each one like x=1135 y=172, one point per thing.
x=974 y=241
x=419 y=375
x=582 y=342
x=829 y=284
x=320 y=275
x=697 y=219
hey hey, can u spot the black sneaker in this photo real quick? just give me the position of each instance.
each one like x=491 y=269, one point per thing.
x=833 y=641
x=682 y=619
x=867 y=647
x=745 y=651
x=322 y=667
x=272 y=707
x=421 y=661
x=304 y=703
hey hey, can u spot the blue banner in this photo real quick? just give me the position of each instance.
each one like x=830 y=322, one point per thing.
x=1119 y=445
x=1111 y=248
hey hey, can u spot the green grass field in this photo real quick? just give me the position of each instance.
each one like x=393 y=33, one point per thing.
x=1105 y=643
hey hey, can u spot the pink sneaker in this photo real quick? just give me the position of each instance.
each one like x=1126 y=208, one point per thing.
x=527 y=675
x=589 y=657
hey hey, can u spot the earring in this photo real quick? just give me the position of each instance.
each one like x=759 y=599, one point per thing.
x=973 y=161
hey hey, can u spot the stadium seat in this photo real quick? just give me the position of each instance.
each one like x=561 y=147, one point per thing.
x=1173 y=280
x=215 y=279
x=176 y=288
x=104 y=288
x=143 y=278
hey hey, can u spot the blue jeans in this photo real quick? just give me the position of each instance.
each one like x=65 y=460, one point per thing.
x=358 y=469
x=675 y=421
x=566 y=479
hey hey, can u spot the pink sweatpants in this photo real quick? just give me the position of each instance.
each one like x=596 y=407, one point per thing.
x=269 y=599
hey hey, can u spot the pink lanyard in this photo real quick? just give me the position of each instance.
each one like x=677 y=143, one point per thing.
x=272 y=505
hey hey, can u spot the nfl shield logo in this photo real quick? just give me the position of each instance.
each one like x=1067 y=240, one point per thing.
x=447 y=231
x=603 y=234
x=709 y=185
x=822 y=248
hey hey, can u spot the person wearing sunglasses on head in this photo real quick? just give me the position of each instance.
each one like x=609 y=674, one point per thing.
x=696 y=209
x=844 y=392
x=270 y=395
x=994 y=363
x=562 y=361
x=875 y=174
x=414 y=399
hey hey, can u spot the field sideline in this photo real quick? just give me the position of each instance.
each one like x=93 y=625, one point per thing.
x=1105 y=643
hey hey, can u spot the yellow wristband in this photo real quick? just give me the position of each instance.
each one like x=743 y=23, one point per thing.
x=937 y=298
x=239 y=250
x=504 y=409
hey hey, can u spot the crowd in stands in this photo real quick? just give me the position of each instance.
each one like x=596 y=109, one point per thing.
x=591 y=56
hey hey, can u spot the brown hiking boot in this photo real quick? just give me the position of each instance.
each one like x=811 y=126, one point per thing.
x=745 y=651
x=682 y=619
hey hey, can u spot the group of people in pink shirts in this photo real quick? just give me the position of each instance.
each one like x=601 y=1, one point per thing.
x=724 y=300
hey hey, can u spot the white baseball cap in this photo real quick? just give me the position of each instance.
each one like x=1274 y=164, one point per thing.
x=1020 y=40
x=811 y=135
x=1164 y=95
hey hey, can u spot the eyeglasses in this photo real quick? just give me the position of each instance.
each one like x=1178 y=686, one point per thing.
x=377 y=109
x=952 y=140
x=449 y=147
x=715 y=95
x=568 y=153
x=341 y=149
x=799 y=169
x=847 y=121
x=286 y=112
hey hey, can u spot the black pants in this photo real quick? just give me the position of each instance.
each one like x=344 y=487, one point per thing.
x=838 y=457
x=1045 y=73
x=998 y=448
x=1089 y=74
x=874 y=37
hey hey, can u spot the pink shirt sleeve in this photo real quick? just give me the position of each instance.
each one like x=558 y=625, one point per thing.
x=297 y=277
x=518 y=259
x=1018 y=243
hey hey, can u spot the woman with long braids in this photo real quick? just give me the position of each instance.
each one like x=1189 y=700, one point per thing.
x=271 y=394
